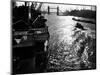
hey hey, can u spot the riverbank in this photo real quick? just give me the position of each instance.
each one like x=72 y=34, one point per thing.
x=81 y=13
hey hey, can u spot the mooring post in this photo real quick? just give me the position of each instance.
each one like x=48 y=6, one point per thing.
x=57 y=10
x=48 y=10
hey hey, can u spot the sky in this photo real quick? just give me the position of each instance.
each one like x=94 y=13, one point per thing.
x=62 y=7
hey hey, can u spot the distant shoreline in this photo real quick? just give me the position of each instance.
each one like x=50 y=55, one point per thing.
x=81 y=13
x=93 y=22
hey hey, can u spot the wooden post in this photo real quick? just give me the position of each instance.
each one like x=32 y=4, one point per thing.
x=57 y=10
x=48 y=10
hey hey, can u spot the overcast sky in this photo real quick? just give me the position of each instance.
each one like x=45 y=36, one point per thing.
x=62 y=7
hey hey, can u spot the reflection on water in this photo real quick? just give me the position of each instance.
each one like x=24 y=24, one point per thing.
x=70 y=49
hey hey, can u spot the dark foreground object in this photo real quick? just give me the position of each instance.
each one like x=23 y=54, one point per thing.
x=31 y=59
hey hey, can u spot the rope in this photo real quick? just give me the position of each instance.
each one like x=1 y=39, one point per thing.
x=35 y=19
x=19 y=21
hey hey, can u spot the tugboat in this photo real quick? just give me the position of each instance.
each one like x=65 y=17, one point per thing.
x=30 y=37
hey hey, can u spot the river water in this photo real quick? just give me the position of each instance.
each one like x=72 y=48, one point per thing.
x=70 y=48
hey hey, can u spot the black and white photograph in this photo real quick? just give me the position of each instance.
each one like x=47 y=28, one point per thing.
x=52 y=37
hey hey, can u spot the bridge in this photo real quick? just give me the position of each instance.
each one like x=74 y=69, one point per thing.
x=55 y=10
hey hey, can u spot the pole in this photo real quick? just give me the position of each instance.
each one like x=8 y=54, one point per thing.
x=57 y=10
x=48 y=10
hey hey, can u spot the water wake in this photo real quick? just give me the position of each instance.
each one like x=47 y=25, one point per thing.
x=71 y=49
